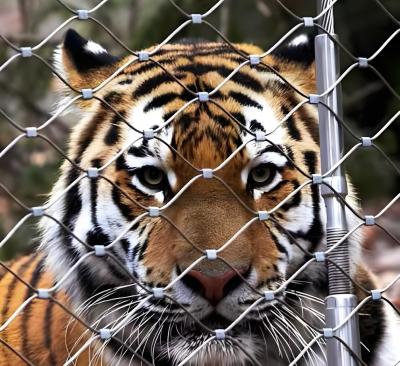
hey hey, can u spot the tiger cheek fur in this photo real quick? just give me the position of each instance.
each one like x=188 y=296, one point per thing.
x=163 y=251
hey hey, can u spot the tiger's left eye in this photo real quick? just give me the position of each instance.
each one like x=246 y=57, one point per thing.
x=261 y=175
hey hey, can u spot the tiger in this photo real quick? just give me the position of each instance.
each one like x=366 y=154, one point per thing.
x=156 y=244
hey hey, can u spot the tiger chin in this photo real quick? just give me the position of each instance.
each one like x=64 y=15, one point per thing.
x=211 y=217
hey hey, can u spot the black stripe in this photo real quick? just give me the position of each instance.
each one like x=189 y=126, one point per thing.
x=245 y=100
x=152 y=83
x=256 y=126
x=310 y=159
x=160 y=101
x=11 y=287
x=125 y=210
x=290 y=124
x=278 y=245
x=310 y=123
x=240 y=117
x=295 y=200
x=125 y=82
x=240 y=77
x=112 y=135
x=93 y=201
x=48 y=320
x=168 y=115
x=142 y=248
x=149 y=66
x=73 y=205
x=222 y=120
x=36 y=275
x=125 y=244
x=96 y=236
x=315 y=233
x=120 y=163
x=86 y=137
x=141 y=151
x=186 y=121
x=200 y=50
x=289 y=153
x=93 y=193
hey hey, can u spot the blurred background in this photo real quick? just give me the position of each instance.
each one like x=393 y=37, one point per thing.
x=27 y=95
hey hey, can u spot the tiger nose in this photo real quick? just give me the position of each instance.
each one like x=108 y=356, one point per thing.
x=212 y=288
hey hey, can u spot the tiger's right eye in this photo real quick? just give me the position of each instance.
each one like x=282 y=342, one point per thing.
x=152 y=177
x=261 y=175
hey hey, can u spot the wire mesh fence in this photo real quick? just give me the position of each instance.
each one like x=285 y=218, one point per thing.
x=343 y=347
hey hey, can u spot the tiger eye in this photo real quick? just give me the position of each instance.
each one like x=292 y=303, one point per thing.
x=260 y=174
x=153 y=176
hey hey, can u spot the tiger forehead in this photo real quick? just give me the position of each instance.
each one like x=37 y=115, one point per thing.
x=203 y=131
x=247 y=98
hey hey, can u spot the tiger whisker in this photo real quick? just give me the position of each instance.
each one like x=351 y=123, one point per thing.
x=305 y=295
x=291 y=328
x=317 y=314
x=320 y=316
x=305 y=326
x=105 y=293
x=113 y=322
x=270 y=329
x=143 y=320
x=127 y=340
x=158 y=333
x=119 y=350
x=281 y=325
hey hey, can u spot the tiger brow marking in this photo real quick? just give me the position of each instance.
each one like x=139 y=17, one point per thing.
x=256 y=126
x=242 y=78
x=152 y=83
x=160 y=101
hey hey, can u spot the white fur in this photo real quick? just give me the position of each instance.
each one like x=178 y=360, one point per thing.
x=94 y=47
x=302 y=38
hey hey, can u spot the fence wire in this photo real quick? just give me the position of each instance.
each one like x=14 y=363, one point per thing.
x=105 y=335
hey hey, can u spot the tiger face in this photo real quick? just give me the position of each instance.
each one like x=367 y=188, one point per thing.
x=208 y=247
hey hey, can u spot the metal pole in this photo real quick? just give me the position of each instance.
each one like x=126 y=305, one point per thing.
x=340 y=301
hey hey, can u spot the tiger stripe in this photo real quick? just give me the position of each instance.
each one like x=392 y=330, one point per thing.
x=38 y=332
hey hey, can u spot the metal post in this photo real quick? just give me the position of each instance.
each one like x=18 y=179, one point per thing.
x=340 y=301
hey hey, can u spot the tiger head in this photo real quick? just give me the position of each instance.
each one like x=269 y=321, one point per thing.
x=191 y=177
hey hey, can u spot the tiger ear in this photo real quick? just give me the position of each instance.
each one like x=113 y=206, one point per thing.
x=83 y=63
x=295 y=62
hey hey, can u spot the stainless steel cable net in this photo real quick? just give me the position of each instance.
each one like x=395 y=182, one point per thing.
x=323 y=22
